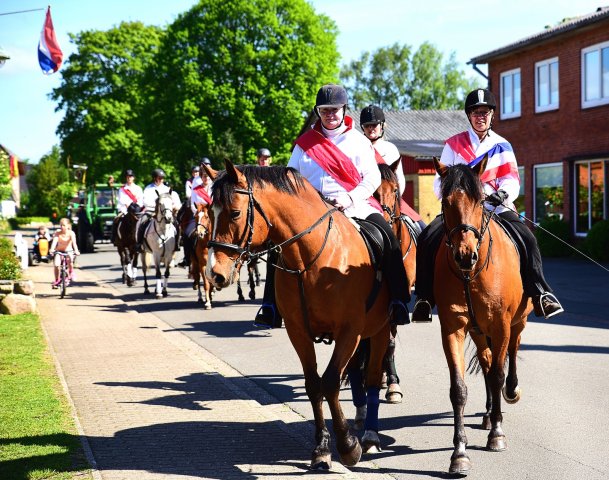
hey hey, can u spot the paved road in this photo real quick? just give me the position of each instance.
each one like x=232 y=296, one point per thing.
x=558 y=429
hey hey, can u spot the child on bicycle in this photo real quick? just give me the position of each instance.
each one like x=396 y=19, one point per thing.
x=64 y=241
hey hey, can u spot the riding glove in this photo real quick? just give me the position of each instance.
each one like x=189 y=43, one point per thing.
x=497 y=198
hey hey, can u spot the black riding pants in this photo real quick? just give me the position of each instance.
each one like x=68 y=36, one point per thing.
x=533 y=279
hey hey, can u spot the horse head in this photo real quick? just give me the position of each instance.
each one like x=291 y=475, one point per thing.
x=203 y=221
x=388 y=193
x=164 y=208
x=462 y=210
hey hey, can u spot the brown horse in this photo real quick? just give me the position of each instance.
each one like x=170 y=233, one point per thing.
x=478 y=289
x=324 y=276
x=126 y=244
x=198 y=261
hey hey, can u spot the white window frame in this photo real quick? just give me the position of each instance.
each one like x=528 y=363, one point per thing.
x=514 y=114
x=604 y=99
x=550 y=105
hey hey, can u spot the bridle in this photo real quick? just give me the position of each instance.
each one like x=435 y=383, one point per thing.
x=202 y=230
x=395 y=216
x=463 y=275
x=245 y=254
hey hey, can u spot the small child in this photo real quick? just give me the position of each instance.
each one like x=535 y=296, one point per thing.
x=64 y=241
x=44 y=235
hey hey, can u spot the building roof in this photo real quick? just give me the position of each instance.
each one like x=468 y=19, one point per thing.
x=421 y=133
x=601 y=14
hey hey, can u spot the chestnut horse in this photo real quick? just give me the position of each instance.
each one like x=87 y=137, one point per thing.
x=478 y=289
x=198 y=261
x=324 y=276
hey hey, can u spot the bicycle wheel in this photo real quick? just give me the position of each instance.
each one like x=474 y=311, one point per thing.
x=62 y=285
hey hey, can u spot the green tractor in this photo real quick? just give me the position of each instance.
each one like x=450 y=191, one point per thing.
x=92 y=212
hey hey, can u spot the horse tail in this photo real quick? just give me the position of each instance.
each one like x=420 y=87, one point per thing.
x=473 y=366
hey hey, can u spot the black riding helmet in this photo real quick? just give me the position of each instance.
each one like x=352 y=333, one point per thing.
x=371 y=114
x=195 y=168
x=263 y=152
x=333 y=96
x=158 y=173
x=479 y=98
x=129 y=173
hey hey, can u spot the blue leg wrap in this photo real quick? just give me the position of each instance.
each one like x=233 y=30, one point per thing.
x=372 y=415
x=357 y=388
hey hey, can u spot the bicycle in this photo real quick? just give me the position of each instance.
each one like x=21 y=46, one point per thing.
x=64 y=274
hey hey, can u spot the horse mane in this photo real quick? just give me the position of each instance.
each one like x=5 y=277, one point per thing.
x=387 y=173
x=285 y=179
x=461 y=177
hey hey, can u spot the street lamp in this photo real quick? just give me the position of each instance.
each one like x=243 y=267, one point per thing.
x=3 y=57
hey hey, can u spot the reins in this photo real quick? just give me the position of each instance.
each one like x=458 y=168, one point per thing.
x=396 y=216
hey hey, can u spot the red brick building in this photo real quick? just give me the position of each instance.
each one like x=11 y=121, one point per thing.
x=553 y=107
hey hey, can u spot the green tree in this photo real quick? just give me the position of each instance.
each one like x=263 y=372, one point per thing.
x=101 y=94
x=235 y=75
x=395 y=78
x=5 y=176
x=49 y=185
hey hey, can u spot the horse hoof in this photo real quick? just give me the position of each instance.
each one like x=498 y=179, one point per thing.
x=158 y=296
x=351 y=458
x=460 y=466
x=515 y=398
x=241 y=298
x=371 y=442
x=200 y=300
x=486 y=422
x=496 y=444
x=207 y=307
x=164 y=293
x=394 y=394
x=321 y=462
x=252 y=296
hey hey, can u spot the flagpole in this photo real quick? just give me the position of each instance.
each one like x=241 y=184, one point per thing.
x=22 y=11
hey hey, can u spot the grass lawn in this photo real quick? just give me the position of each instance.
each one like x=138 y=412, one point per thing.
x=38 y=438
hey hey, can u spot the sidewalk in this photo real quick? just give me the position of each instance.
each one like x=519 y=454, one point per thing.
x=151 y=404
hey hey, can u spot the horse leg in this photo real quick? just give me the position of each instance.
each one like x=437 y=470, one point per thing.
x=483 y=352
x=358 y=394
x=166 y=278
x=454 y=352
x=158 y=288
x=321 y=457
x=251 y=282
x=239 y=290
x=512 y=392
x=348 y=445
x=394 y=392
x=207 y=288
x=496 y=437
x=134 y=257
x=144 y=272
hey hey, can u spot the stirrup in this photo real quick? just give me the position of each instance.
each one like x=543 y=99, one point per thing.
x=267 y=317
x=398 y=313
x=422 y=312
x=547 y=305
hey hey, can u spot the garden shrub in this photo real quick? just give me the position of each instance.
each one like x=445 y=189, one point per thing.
x=549 y=246
x=10 y=269
x=597 y=240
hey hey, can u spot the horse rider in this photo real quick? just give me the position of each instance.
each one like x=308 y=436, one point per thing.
x=200 y=194
x=372 y=123
x=501 y=184
x=264 y=157
x=194 y=173
x=333 y=145
x=129 y=193
x=151 y=193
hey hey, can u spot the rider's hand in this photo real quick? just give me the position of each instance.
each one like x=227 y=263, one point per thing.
x=343 y=201
x=497 y=198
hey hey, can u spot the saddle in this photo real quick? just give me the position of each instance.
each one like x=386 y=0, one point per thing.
x=375 y=240
x=413 y=227
x=516 y=238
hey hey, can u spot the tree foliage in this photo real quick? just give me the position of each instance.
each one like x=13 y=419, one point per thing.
x=50 y=179
x=237 y=75
x=101 y=94
x=5 y=176
x=395 y=78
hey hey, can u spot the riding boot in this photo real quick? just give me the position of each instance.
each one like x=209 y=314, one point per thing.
x=268 y=315
x=394 y=272
x=427 y=247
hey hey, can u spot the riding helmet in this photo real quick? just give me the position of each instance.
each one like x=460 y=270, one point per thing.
x=195 y=168
x=478 y=98
x=158 y=173
x=263 y=152
x=371 y=115
x=129 y=173
x=331 y=95
x=205 y=161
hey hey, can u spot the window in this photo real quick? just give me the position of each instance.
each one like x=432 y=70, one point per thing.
x=546 y=85
x=591 y=203
x=548 y=191
x=595 y=75
x=510 y=94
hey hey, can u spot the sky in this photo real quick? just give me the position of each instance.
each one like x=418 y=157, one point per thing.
x=468 y=28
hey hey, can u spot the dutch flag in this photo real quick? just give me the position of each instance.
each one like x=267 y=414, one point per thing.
x=50 y=55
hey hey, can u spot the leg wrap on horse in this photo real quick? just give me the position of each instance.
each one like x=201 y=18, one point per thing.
x=356 y=383
x=372 y=414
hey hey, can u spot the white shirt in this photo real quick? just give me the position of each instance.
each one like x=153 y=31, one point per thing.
x=359 y=149
x=123 y=200
x=390 y=154
x=150 y=196
x=509 y=183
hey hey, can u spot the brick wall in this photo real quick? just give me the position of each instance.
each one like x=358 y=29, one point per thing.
x=557 y=135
